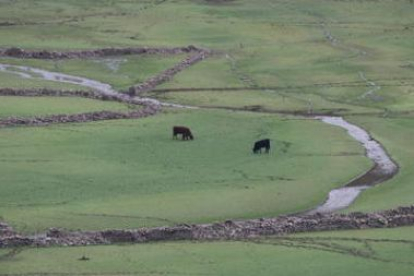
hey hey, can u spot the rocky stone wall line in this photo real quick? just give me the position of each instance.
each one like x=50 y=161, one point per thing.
x=77 y=118
x=97 y=53
x=168 y=74
x=44 y=92
x=228 y=230
x=122 y=98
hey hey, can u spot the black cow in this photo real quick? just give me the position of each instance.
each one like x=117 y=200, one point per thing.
x=184 y=131
x=265 y=143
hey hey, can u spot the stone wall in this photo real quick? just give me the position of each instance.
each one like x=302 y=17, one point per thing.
x=76 y=118
x=98 y=53
x=228 y=230
x=168 y=74
x=148 y=110
x=44 y=92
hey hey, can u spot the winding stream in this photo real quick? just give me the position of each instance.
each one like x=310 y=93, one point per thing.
x=338 y=199
x=103 y=88
x=383 y=169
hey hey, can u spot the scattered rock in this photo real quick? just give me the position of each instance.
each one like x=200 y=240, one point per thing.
x=14 y=52
x=5 y=230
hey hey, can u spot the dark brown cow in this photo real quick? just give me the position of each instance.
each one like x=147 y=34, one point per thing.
x=184 y=131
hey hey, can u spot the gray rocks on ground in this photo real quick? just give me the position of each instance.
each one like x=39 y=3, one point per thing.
x=228 y=230
x=5 y=230
x=77 y=118
x=148 y=110
x=97 y=53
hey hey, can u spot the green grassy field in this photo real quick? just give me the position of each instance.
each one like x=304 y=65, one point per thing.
x=119 y=72
x=265 y=43
x=9 y=80
x=41 y=106
x=363 y=252
x=132 y=174
x=271 y=100
x=353 y=58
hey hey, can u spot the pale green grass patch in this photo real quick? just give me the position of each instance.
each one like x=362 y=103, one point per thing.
x=10 y=80
x=132 y=174
x=41 y=106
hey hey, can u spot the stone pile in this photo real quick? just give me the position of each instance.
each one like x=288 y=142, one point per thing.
x=5 y=230
x=228 y=230
x=98 y=53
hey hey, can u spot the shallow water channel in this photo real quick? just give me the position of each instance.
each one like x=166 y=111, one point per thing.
x=103 y=88
x=383 y=169
x=338 y=199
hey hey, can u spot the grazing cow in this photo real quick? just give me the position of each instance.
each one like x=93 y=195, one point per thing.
x=265 y=143
x=184 y=131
